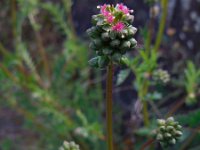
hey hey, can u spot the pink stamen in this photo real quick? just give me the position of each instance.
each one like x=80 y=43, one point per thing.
x=118 y=27
x=109 y=17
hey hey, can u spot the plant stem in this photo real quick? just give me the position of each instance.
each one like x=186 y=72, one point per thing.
x=147 y=144
x=109 y=106
x=161 y=25
x=145 y=114
x=145 y=104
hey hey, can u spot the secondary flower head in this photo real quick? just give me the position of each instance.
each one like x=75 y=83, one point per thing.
x=112 y=34
x=124 y=8
x=119 y=26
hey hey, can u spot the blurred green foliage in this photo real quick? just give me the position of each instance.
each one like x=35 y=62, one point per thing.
x=51 y=89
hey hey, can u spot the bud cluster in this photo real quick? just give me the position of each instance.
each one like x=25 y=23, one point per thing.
x=111 y=34
x=161 y=76
x=69 y=146
x=168 y=132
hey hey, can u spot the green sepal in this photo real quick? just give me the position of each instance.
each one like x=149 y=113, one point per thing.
x=103 y=61
x=116 y=57
x=94 y=62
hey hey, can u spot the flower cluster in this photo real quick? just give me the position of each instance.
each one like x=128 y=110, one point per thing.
x=168 y=132
x=69 y=146
x=161 y=76
x=111 y=34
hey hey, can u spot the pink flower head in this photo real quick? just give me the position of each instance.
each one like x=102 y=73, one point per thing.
x=124 y=9
x=108 y=15
x=110 y=18
x=103 y=10
x=118 y=27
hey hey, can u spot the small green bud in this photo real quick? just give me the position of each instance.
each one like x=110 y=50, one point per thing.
x=178 y=133
x=130 y=18
x=116 y=57
x=115 y=43
x=172 y=141
x=93 y=46
x=168 y=135
x=124 y=33
x=133 y=43
x=132 y=30
x=113 y=35
x=124 y=61
x=170 y=120
x=69 y=146
x=103 y=61
x=161 y=122
x=98 y=42
x=170 y=128
x=162 y=128
x=159 y=137
x=125 y=45
x=92 y=32
x=179 y=127
x=107 y=51
x=105 y=36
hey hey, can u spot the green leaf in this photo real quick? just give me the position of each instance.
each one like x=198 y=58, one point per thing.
x=94 y=62
x=122 y=76
x=191 y=119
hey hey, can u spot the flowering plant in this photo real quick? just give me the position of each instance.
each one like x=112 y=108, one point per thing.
x=112 y=34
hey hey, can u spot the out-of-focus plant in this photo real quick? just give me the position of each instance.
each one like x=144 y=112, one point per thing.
x=191 y=83
x=168 y=132
x=69 y=146
x=50 y=88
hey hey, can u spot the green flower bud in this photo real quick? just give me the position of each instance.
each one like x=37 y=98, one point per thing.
x=115 y=43
x=132 y=30
x=168 y=135
x=162 y=128
x=170 y=128
x=159 y=137
x=125 y=45
x=105 y=36
x=113 y=35
x=161 y=76
x=179 y=127
x=124 y=61
x=178 y=133
x=170 y=120
x=107 y=51
x=161 y=122
x=124 y=33
x=133 y=43
x=116 y=57
x=69 y=146
x=172 y=141
x=130 y=19
x=92 y=32
x=98 y=42
x=93 y=46
x=103 y=61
